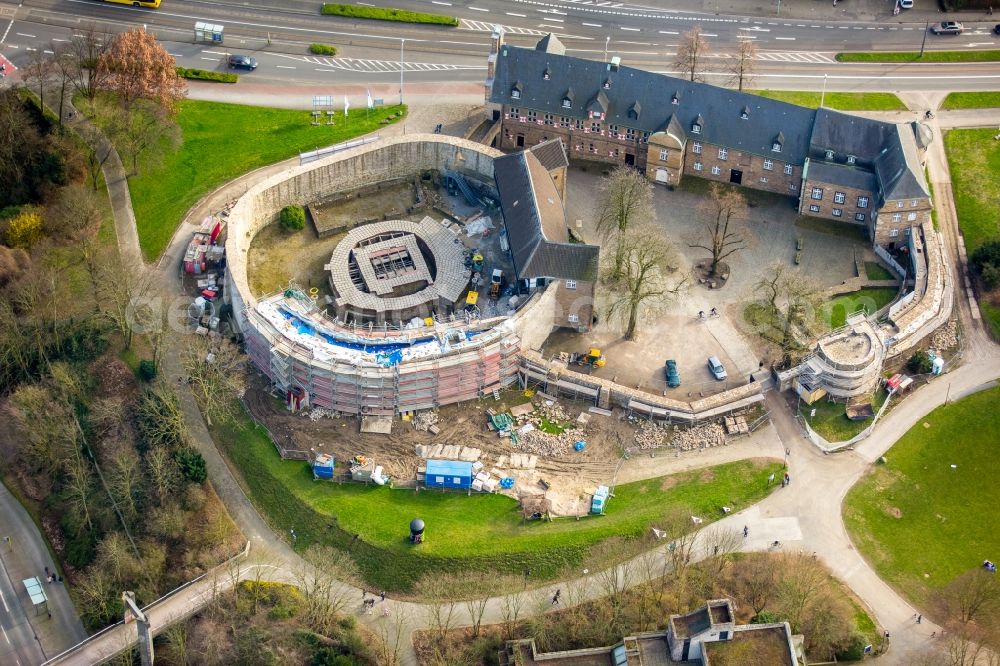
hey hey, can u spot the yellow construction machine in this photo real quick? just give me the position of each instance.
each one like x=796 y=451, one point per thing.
x=594 y=358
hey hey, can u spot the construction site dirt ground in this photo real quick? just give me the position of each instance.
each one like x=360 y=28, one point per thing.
x=571 y=476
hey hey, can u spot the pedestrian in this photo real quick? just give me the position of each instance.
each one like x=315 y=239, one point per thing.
x=383 y=595
x=385 y=611
x=746 y=531
x=715 y=550
x=46 y=572
x=555 y=597
x=920 y=619
x=887 y=635
x=933 y=634
x=364 y=593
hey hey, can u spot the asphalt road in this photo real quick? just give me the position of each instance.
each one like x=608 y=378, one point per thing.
x=795 y=54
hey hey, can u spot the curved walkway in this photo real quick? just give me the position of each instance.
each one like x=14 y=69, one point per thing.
x=807 y=514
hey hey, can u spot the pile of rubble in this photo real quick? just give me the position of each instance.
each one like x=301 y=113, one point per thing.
x=945 y=337
x=543 y=444
x=651 y=435
x=425 y=421
x=699 y=437
x=317 y=413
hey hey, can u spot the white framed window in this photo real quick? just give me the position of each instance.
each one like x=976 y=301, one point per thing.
x=456 y=480
x=532 y=115
x=564 y=122
x=897 y=217
x=716 y=171
x=697 y=166
x=571 y=284
x=860 y=217
x=788 y=169
x=793 y=187
x=769 y=165
x=723 y=153
x=566 y=103
x=862 y=202
x=851 y=159
x=514 y=112
x=549 y=119
x=573 y=319
x=744 y=115
x=439 y=479
x=910 y=217
x=630 y=133
x=613 y=130
x=776 y=147
x=913 y=203
x=763 y=179
x=696 y=147
x=893 y=233
x=663 y=154
x=899 y=204
x=839 y=197
x=579 y=124
x=696 y=128
x=838 y=212
x=595 y=128
x=675 y=100
x=817 y=193
x=645 y=137
x=829 y=154
x=515 y=94
x=813 y=208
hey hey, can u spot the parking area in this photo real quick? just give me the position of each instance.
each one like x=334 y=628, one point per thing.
x=676 y=331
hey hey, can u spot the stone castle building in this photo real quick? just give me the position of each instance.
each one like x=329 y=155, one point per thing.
x=839 y=166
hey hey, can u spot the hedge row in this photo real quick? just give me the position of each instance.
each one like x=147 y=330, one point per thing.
x=323 y=49
x=386 y=14
x=207 y=75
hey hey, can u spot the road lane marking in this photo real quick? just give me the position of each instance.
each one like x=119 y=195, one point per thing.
x=21 y=34
x=592 y=25
x=787 y=39
x=478 y=9
x=517 y=15
x=625 y=27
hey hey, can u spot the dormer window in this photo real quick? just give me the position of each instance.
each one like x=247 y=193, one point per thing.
x=547 y=74
x=829 y=154
x=515 y=91
x=607 y=83
x=676 y=99
x=567 y=103
x=567 y=99
x=745 y=113
x=698 y=123
x=777 y=142
x=634 y=110
x=851 y=159
x=776 y=147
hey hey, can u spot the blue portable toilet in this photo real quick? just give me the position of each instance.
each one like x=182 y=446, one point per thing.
x=600 y=498
x=448 y=474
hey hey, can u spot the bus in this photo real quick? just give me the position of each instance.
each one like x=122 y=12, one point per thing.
x=137 y=3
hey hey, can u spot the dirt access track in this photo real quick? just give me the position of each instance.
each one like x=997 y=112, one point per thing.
x=572 y=476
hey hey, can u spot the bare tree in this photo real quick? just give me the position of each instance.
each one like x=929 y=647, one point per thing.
x=177 y=643
x=476 y=607
x=439 y=593
x=64 y=73
x=38 y=74
x=649 y=278
x=164 y=476
x=121 y=286
x=390 y=632
x=723 y=223
x=756 y=582
x=511 y=606
x=159 y=419
x=743 y=64
x=136 y=66
x=721 y=543
x=217 y=372
x=145 y=133
x=691 y=50
x=614 y=579
x=87 y=46
x=325 y=581
x=125 y=481
x=626 y=200
x=44 y=421
x=802 y=580
x=971 y=596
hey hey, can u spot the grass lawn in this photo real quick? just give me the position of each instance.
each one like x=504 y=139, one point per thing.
x=831 y=421
x=482 y=532
x=914 y=56
x=844 y=101
x=222 y=141
x=920 y=522
x=871 y=299
x=875 y=271
x=974 y=161
x=971 y=100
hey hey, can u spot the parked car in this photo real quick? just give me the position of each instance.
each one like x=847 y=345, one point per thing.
x=673 y=377
x=996 y=29
x=905 y=4
x=716 y=368
x=243 y=62
x=948 y=28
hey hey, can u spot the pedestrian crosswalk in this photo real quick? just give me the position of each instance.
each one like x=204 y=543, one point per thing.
x=486 y=26
x=795 y=56
x=376 y=66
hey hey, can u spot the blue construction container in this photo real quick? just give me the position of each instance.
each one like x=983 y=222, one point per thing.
x=323 y=466
x=448 y=474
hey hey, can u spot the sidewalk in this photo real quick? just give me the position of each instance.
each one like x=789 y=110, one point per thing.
x=819 y=10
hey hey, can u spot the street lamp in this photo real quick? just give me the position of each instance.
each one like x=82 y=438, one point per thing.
x=401 y=42
x=822 y=96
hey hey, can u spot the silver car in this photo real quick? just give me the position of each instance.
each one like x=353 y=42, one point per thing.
x=716 y=368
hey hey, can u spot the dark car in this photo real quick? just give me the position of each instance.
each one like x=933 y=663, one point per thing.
x=996 y=29
x=948 y=28
x=243 y=62
x=673 y=377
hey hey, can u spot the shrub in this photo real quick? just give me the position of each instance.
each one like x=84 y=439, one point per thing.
x=293 y=218
x=920 y=363
x=991 y=276
x=192 y=465
x=24 y=229
x=206 y=75
x=323 y=49
x=854 y=650
x=147 y=370
x=387 y=14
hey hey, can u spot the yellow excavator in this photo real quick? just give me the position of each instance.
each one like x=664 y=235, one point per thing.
x=594 y=358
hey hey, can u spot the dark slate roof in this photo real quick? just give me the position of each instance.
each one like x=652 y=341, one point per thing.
x=551 y=44
x=898 y=168
x=536 y=223
x=845 y=135
x=551 y=153
x=841 y=174
x=719 y=107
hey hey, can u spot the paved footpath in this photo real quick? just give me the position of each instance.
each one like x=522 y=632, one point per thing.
x=806 y=515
